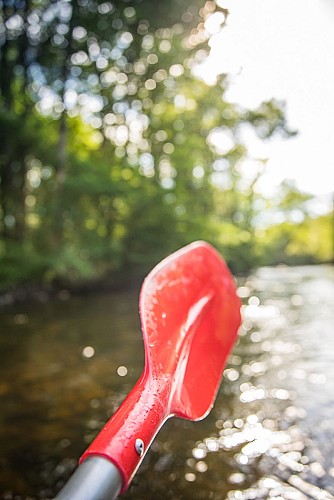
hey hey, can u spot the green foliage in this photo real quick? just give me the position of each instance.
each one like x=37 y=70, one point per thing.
x=308 y=242
x=21 y=266
x=115 y=154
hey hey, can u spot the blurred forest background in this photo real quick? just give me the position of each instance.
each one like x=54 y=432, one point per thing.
x=114 y=154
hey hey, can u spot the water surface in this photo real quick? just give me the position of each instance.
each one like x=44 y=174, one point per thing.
x=67 y=364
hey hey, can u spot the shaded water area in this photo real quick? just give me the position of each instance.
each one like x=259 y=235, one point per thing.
x=66 y=365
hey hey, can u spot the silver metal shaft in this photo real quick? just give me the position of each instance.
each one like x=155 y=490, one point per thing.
x=95 y=479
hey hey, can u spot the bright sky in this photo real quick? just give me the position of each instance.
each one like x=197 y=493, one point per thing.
x=284 y=49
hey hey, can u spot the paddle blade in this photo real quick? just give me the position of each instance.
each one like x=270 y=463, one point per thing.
x=190 y=315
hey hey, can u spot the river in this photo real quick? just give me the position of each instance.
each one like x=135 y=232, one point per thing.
x=67 y=363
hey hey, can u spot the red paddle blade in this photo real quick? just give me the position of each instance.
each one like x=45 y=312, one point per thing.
x=190 y=315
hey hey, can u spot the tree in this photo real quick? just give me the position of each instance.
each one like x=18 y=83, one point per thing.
x=116 y=154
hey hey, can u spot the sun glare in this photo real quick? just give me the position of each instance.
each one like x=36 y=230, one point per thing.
x=296 y=68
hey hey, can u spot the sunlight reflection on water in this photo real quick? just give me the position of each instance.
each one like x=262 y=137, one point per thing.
x=275 y=451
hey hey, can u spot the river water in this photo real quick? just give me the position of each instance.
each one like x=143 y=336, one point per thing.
x=66 y=365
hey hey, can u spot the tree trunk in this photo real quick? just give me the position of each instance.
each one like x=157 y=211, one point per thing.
x=16 y=147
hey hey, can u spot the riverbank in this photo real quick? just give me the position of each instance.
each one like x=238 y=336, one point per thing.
x=42 y=292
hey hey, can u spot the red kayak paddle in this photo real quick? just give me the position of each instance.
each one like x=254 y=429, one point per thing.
x=190 y=315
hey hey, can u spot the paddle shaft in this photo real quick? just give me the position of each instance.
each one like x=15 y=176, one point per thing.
x=95 y=479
